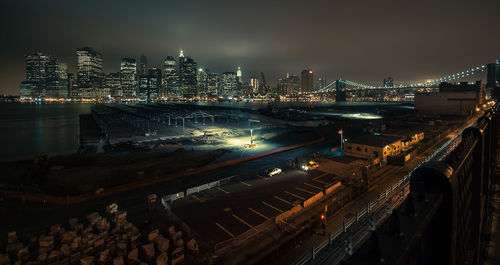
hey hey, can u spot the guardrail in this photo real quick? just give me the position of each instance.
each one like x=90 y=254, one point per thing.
x=179 y=195
x=374 y=207
x=360 y=225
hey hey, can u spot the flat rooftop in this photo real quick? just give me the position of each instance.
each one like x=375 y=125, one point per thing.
x=375 y=140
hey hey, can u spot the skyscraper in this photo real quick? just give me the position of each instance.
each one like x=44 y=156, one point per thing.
x=112 y=84
x=388 y=82
x=306 y=81
x=34 y=86
x=128 y=75
x=289 y=85
x=213 y=84
x=254 y=84
x=202 y=79
x=89 y=72
x=171 y=78
x=187 y=76
x=155 y=83
x=149 y=88
x=229 y=84
x=320 y=82
x=57 y=79
x=143 y=67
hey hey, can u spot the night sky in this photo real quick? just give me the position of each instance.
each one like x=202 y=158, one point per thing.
x=362 y=41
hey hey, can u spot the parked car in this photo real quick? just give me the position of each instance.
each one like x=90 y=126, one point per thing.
x=273 y=171
x=311 y=165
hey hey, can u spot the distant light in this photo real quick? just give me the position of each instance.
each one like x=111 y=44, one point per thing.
x=310 y=71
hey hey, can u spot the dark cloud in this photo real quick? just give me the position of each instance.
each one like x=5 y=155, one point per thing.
x=363 y=41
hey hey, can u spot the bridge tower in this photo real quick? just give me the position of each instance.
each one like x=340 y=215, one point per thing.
x=340 y=91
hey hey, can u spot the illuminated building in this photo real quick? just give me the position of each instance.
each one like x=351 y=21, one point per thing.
x=306 y=81
x=128 y=74
x=34 y=86
x=288 y=86
x=143 y=65
x=157 y=73
x=254 y=84
x=213 y=84
x=187 y=76
x=57 y=79
x=89 y=72
x=202 y=79
x=112 y=83
x=321 y=82
x=229 y=84
x=388 y=82
x=149 y=88
x=72 y=86
x=171 y=78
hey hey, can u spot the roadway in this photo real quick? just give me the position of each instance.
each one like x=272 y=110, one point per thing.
x=224 y=212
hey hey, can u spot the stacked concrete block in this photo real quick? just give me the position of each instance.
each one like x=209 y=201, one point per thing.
x=192 y=246
x=118 y=261
x=4 y=259
x=148 y=251
x=162 y=259
x=162 y=243
x=90 y=260
x=133 y=255
x=102 y=240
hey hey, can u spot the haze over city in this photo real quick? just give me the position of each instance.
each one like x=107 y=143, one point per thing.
x=362 y=41
x=250 y=132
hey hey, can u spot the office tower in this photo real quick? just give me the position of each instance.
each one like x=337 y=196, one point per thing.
x=238 y=75
x=254 y=84
x=171 y=78
x=320 y=82
x=34 y=86
x=72 y=86
x=157 y=73
x=112 y=83
x=388 y=82
x=306 y=81
x=229 y=84
x=202 y=79
x=288 y=86
x=149 y=88
x=213 y=84
x=89 y=72
x=187 y=76
x=143 y=65
x=128 y=75
x=57 y=79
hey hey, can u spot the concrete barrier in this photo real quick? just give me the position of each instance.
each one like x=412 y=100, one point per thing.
x=283 y=216
x=313 y=199
x=173 y=197
x=333 y=187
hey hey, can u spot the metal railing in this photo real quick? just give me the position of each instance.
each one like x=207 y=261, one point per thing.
x=374 y=207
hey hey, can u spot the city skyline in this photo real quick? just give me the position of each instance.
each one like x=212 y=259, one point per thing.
x=406 y=51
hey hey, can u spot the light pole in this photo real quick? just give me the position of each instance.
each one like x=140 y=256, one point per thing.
x=251 y=129
x=341 y=140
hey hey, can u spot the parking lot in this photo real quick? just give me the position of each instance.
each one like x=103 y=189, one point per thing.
x=225 y=212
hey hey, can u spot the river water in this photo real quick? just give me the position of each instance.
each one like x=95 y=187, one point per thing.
x=28 y=128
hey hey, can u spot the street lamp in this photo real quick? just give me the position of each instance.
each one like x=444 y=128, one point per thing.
x=341 y=140
x=251 y=129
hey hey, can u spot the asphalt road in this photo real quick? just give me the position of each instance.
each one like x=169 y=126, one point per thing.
x=224 y=212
